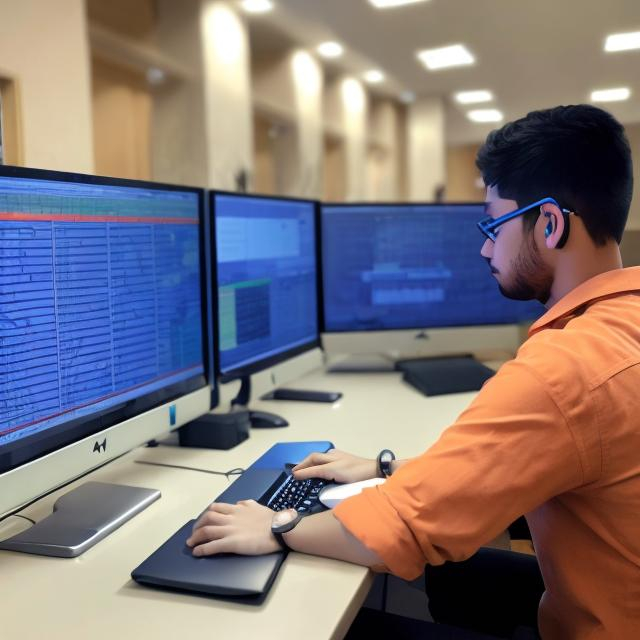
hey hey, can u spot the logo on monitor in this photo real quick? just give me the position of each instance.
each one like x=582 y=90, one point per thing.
x=100 y=446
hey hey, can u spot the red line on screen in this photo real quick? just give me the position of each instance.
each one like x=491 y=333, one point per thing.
x=68 y=217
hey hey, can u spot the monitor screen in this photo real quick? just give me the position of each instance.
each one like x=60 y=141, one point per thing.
x=409 y=266
x=266 y=280
x=101 y=305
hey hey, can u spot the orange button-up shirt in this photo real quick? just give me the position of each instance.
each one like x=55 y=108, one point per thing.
x=555 y=435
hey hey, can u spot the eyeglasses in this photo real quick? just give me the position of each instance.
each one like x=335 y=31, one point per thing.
x=489 y=225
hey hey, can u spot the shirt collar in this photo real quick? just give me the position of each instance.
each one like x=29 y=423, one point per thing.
x=604 y=284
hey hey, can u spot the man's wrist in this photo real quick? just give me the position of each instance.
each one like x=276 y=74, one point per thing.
x=282 y=523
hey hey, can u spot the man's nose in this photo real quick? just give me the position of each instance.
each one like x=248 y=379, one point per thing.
x=487 y=248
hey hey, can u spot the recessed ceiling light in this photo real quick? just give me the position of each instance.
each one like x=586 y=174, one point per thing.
x=330 y=49
x=472 y=97
x=452 y=56
x=388 y=4
x=485 y=115
x=257 y=6
x=622 y=41
x=611 y=95
x=373 y=76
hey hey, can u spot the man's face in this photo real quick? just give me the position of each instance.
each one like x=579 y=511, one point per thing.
x=514 y=258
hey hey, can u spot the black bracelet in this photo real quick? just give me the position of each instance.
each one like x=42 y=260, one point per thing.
x=384 y=460
x=277 y=531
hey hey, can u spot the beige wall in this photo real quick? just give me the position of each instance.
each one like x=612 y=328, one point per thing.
x=383 y=156
x=633 y=133
x=307 y=77
x=463 y=178
x=355 y=105
x=264 y=179
x=630 y=246
x=178 y=144
x=334 y=175
x=227 y=94
x=287 y=88
x=44 y=48
x=122 y=105
x=426 y=148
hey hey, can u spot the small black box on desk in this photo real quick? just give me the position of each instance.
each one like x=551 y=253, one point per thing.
x=438 y=376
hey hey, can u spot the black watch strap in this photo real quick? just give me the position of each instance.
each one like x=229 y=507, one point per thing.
x=384 y=460
x=285 y=528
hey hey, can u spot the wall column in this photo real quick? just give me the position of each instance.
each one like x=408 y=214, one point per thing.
x=425 y=149
x=227 y=94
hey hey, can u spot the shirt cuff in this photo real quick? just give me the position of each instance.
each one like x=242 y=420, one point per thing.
x=372 y=519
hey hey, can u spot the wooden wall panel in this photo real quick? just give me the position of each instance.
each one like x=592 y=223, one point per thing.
x=12 y=144
x=122 y=110
x=334 y=170
x=133 y=18
x=264 y=178
x=462 y=175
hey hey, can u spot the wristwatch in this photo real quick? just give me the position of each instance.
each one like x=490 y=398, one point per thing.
x=384 y=460
x=282 y=522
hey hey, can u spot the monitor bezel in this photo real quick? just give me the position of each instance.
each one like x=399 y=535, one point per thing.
x=265 y=363
x=79 y=429
x=327 y=331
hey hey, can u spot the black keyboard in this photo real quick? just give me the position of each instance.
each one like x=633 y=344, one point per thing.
x=301 y=495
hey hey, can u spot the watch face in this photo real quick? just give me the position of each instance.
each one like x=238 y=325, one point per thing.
x=387 y=456
x=282 y=518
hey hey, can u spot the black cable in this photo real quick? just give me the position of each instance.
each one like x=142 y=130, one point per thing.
x=58 y=487
x=233 y=472
x=18 y=515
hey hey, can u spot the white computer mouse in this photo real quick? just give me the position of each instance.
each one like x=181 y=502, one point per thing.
x=333 y=494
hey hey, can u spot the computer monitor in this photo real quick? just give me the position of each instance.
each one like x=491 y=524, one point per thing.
x=414 y=270
x=266 y=281
x=103 y=337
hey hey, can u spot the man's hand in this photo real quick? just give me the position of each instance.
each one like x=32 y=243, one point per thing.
x=335 y=465
x=243 y=528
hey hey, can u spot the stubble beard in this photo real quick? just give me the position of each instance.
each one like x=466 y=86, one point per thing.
x=532 y=278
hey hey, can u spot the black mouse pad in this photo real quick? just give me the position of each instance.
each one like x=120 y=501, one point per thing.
x=173 y=566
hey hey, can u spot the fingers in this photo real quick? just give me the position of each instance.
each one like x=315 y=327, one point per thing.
x=221 y=507
x=217 y=513
x=207 y=534
x=223 y=545
x=313 y=459
x=324 y=471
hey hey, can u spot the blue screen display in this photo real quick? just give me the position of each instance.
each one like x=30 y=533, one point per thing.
x=100 y=299
x=267 y=288
x=410 y=266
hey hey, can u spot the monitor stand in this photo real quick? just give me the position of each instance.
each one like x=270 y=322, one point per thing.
x=259 y=419
x=81 y=518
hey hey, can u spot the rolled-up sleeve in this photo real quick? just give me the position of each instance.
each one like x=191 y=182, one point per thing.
x=509 y=452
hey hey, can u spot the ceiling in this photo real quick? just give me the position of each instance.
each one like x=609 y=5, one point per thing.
x=531 y=55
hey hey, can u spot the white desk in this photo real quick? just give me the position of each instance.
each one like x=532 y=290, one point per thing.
x=94 y=597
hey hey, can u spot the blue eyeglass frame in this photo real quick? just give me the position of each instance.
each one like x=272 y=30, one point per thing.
x=488 y=225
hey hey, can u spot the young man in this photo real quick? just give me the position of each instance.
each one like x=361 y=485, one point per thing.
x=555 y=434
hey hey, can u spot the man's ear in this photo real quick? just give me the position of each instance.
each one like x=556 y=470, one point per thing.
x=556 y=230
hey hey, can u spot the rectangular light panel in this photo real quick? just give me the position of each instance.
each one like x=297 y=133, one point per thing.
x=453 y=56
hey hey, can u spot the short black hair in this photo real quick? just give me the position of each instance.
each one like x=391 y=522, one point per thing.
x=577 y=154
